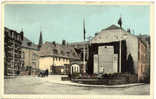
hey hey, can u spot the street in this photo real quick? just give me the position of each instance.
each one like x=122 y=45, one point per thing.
x=36 y=85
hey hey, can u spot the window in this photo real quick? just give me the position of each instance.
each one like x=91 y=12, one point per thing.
x=34 y=64
x=34 y=56
x=55 y=51
x=18 y=37
x=62 y=52
x=68 y=53
x=12 y=34
x=23 y=54
x=29 y=43
x=9 y=34
x=74 y=54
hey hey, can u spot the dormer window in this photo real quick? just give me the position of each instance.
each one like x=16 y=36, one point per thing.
x=29 y=43
x=12 y=34
x=54 y=43
x=68 y=53
x=55 y=51
x=62 y=52
x=74 y=54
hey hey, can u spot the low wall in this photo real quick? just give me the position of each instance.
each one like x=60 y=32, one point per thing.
x=101 y=81
x=108 y=80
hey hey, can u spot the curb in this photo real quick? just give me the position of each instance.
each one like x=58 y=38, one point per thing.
x=100 y=86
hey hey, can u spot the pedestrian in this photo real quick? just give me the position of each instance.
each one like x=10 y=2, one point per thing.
x=69 y=75
x=47 y=72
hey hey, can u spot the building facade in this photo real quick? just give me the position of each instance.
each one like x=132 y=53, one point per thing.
x=145 y=39
x=142 y=60
x=30 y=57
x=12 y=52
x=114 y=50
x=79 y=48
x=57 y=57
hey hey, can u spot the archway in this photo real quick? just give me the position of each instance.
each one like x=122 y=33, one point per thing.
x=130 y=64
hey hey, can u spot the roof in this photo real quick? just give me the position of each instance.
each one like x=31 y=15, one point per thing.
x=11 y=30
x=112 y=34
x=7 y=29
x=58 y=50
x=79 y=43
x=26 y=43
x=112 y=27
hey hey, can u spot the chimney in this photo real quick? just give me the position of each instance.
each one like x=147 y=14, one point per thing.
x=54 y=43
x=128 y=30
x=29 y=43
x=96 y=34
x=22 y=34
x=63 y=42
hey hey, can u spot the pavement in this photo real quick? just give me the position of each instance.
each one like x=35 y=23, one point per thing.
x=57 y=80
x=52 y=85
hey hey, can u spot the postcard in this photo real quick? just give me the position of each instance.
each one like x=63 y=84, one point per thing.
x=80 y=49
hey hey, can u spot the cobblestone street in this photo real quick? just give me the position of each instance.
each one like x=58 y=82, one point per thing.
x=37 y=85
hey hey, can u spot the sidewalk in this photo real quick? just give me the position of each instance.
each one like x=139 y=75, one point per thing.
x=57 y=80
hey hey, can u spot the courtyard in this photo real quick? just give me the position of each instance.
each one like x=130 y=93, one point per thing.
x=48 y=85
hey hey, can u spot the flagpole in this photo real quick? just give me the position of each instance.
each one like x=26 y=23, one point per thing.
x=84 y=67
x=120 y=23
x=84 y=57
x=120 y=55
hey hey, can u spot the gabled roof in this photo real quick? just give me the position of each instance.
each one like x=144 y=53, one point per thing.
x=26 y=43
x=58 y=50
x=111 y=34
x=112 y=27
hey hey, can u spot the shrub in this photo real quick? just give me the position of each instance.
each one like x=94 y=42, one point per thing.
x=75 y=75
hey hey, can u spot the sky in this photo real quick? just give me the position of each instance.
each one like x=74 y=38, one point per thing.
x=65 y=22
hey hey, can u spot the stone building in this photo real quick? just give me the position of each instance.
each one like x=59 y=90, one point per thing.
x=142 y=60
x=146 y=41
x=79 y=48
x=114 y=50
x=57 y=57
x=12 y=52
x=30 y=57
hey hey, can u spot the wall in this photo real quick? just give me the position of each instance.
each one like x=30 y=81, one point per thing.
x=142 y=61
x=116 y=35
x=47 y=62
x=132 y=49
x=30 y=57
x=96 y=67
x=105 y=54
x=12 y=51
